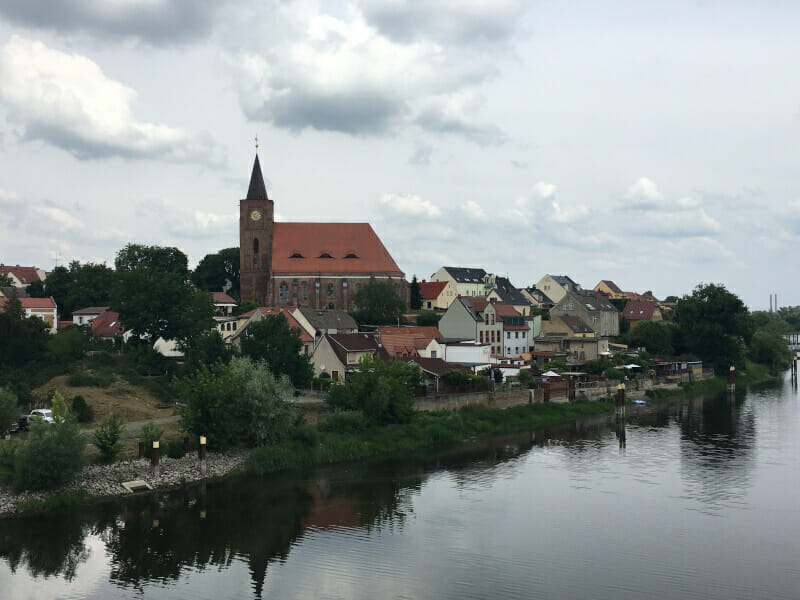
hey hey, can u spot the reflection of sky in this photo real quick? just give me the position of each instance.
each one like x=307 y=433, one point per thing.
x=582 y=519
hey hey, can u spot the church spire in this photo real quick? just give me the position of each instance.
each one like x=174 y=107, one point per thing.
x=257 y=190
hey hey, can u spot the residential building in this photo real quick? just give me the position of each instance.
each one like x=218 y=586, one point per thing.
x=610 y=289
x=569 y=337
x=437 y=295
x=106 y=325
x=516 y=332
x=473 y=319
x=467 y=281
x=85 y=316
x=556 y=286
x=43 y=308
x=233 y=335
x=636 y=311
x=313 y=265
x=467 y=353
x=505 y=292
x=413 y=341
x=338 y=354
x=537 y=298
x=23 y=276
x=223 y=304
x=319 y=322
x=595 y=310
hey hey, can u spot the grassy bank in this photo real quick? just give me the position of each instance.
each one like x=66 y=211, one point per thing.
x=752 y=374
x=58 y=501
x=426 y=431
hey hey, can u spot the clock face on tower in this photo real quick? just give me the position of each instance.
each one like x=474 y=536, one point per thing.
x=255 y=215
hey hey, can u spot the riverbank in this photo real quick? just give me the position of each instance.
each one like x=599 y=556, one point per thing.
x=349 y=440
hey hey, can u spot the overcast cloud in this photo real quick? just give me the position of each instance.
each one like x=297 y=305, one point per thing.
x=651 y=144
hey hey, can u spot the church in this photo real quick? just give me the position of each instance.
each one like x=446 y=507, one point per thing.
x=311 y=265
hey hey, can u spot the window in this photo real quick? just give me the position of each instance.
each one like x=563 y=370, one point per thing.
x=304 y=290
x=508 y=335
x=255 y=245
x=284 y=293
x=433 y=353
x=324 y=255
x=350 y=255
x=297 y=255
x=516 y=335
x=330 y=290
x=234 y=325
x=330 y=305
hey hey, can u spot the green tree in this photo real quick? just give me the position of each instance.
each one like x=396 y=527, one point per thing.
x=5 y=280
x=428 y=319
x=378 y=303
x=716 y=325
x=9 y=409
x=768 y=347
x=237 y=404
x=70 y=343
x=59 y=406
x=383 y=391
x=655 y=336
x=216 y=271
x=245 y=307
x=207 y=348
x=50 y=456
x=22 y=339
x=274 y=341
x=416 y=294
x=791 y=315
x=154 y=297
x=77 y=286
x=107 y=437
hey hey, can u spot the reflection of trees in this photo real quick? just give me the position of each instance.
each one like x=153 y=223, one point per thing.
x=47 y=546
x=717 y=438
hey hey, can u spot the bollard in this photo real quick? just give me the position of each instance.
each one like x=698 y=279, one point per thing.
x=732 y=380
x=620 y=403
x=141 y=449
x=154 y=458
x=201 y=454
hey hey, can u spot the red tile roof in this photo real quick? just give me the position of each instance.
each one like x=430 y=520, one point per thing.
x=33 y=302
x=287 y=314
x=430 y=290
x=505 y=310
x=338 y=240
x=222 y=298
x=26 y=275
x=436 y=366
x=416 y=330
x=107 y=325
x=639 y=310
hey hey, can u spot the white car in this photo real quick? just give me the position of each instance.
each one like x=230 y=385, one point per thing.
x=45 y=414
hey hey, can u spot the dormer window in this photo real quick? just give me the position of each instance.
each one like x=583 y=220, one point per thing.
x=325 y=255
x=351 y=255
x=297 y=255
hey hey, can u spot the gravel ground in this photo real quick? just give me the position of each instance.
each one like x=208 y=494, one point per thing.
x=106 y=480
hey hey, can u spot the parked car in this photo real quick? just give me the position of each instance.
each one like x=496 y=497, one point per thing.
x=45 y=414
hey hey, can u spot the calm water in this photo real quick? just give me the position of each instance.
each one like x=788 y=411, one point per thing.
x=702 y=502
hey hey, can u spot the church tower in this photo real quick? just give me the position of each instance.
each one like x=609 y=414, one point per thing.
x=256 y=220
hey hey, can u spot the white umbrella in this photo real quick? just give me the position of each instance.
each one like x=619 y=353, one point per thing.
x=631 y=366
x=550 y=374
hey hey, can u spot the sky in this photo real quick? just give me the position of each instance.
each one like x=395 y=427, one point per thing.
x=651 y=143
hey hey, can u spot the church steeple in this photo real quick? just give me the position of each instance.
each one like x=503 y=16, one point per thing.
x=257 y=190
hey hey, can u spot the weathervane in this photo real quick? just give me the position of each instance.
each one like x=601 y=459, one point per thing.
x=256 y=143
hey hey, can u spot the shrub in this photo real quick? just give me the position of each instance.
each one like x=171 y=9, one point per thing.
x=612 y=373
x=84 y=379
x=306 y=434
x=82 y=411
x=324 y=375
x=107 y=437
x=322 y=384
x=457 y=378
x=59 y=407
x=50 y=456
x=150 y=433
x=9 y=409
x=240 y=403
x=175 y=449
x=344 y=421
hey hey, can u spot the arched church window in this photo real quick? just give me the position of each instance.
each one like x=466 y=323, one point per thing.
x=330 y=290
x=255 y=245
x=284 y=292
x=304 y=290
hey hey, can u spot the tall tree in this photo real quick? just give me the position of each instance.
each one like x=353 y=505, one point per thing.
x=216 y=271
x=5 y=280
x=378 y=303
x=274 y=341
x=21 y=339
x=716 y=325
x=416 y=294
x=154 y=297
x=77 y=286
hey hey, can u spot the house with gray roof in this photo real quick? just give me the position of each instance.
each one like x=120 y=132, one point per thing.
x=594 y=309
x=468 y=281
x=325 y=321
x=555 y=286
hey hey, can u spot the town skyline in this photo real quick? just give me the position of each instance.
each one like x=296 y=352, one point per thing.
x=522 y=140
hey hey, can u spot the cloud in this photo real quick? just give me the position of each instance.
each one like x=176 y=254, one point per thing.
x=543 y=190
x=421 y=156
x=159 y=22
x=344 y=74
x=473 y=210
x=67 y=101
x=467 y=22
x=643 y=194
x=409 y=205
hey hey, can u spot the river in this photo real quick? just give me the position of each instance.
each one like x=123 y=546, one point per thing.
x=701 y=501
